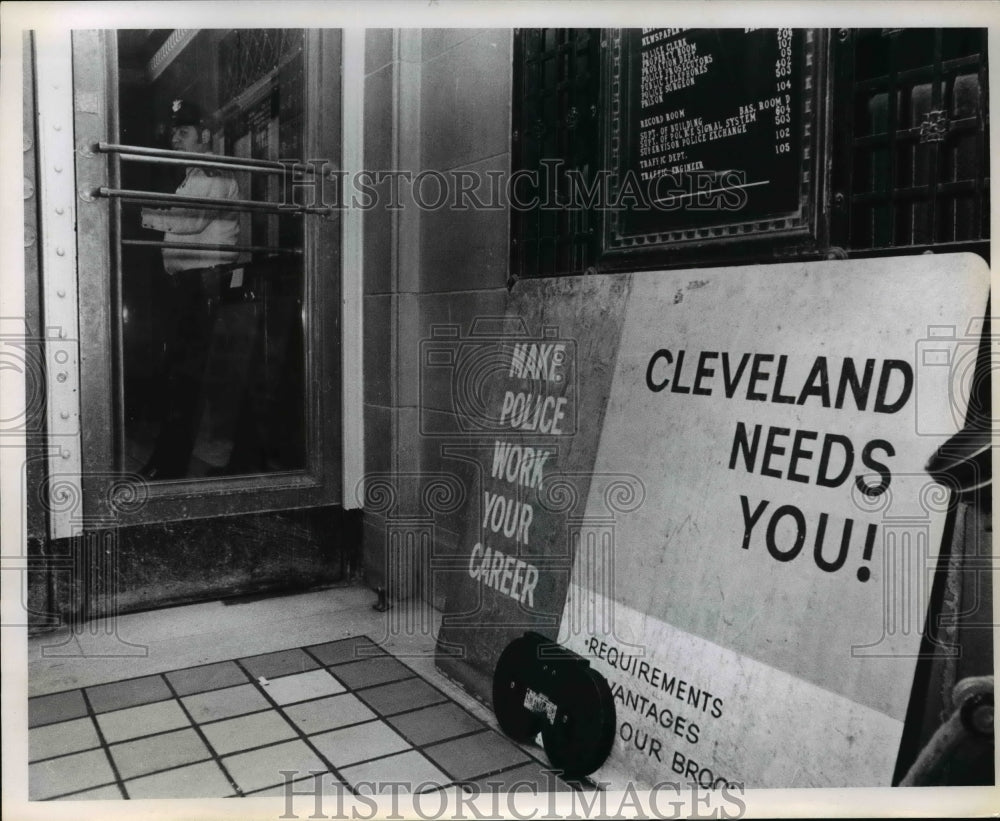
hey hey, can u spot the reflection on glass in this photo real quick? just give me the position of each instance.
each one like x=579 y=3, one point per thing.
x=212 y=357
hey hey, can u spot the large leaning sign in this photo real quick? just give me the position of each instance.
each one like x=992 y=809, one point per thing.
x=762 y=618
x=756 y=603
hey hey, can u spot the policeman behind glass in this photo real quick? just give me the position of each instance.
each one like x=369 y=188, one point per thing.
x=193 y=290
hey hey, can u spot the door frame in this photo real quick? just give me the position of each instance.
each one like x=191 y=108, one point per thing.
x=110 y=496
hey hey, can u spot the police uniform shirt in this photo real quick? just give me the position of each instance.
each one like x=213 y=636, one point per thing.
x=191 y=225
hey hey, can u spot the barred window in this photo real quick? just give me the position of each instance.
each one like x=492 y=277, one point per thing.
x=900 y=164
x=556 y=133
x=914 y=163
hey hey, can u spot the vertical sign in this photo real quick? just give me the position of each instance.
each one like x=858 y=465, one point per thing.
x=528 y=400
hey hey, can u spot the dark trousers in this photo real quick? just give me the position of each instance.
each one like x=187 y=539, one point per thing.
x=190 y=304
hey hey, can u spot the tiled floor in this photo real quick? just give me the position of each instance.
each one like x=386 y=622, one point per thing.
x=231 y=727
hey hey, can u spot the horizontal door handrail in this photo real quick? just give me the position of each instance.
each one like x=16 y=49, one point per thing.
x=201 y=246
x=252 y=169
x=211 y=203
x=198 y=158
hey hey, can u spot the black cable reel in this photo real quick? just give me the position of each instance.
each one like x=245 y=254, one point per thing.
x=542 y=687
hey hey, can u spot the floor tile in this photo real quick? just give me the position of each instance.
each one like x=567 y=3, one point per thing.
x=328 y=713
x=235 y=734
x=524 y=779
x=232 y=701
x=204 y=780
x=206 y=677
x=303 y=686
x=329 y=786
x=357 y=648
x=475 y=755
x=64 y=737
x=389 y=699
x=144 y=720
x=56 y=707
x=352 y=745
x=372 y=671
x=262 y=768
x=109 y=792
x=159 y=752
x=416 y=773
x=435 y=723
x=71 y=773
x=129 y=693
x=282 y=663
x=172 y=759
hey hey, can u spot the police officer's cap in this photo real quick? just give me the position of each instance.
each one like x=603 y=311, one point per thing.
x=185 y=112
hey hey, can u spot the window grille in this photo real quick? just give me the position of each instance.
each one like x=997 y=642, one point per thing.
x=907 y=145
x=248 y=55
x=556 y=129
x=913 y=166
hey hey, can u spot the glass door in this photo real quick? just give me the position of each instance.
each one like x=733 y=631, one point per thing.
x=209 y=291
